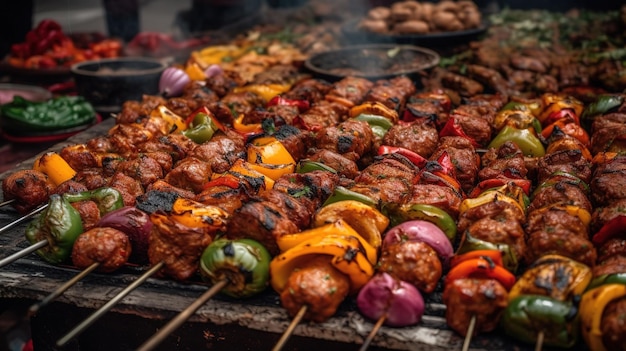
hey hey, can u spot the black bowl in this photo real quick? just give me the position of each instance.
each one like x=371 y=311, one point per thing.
x=108 y=83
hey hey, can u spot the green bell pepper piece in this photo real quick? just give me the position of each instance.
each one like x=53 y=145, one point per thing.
x=471 y=243
x=60 y=224
x=58 y=113
x=305 y=166
x=527 y=315
x=202 y=128
x=525 y=139
x=341 y=193
x=379 y=124
x=603 y=104
x=107 y=199
x=244 y=263
x=401 y=213
x=604 y=279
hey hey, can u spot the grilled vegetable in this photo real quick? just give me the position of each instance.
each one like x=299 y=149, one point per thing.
x=60 y=224
x=526 y=139
x=59 y=113
x=400 y=302
x=374 y=108
x=135 y=224
x=107 y=199
x=342 y=194
x=172 y=82
x=528 y=315
x=418 y=160
x=201 y=129
x=470 y=243
x=244 y=263
x=402 y=213
x=55 y=167
x=592 y=307
x=481 y=268
x=427 y=232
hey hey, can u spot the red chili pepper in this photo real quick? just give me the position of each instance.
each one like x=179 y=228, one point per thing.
x=481 y=268
x=610 y=230
x=48 y=41
x=225 y=180
x=417 y=160
x=494 y=255
x=46 y=26
x=278 y=100
x=524 y=184
x=452 y=128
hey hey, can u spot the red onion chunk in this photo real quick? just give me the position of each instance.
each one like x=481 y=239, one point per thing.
x=136 y=224
x=172 y=82
x=401 y=301
x=424 y=231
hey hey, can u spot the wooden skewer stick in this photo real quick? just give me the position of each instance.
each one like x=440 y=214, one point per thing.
x=8 y=202
x=23 y=218
x=34 y=247
x=539 y=343
x=104 y=309
x=287 y=334
x=60 y=290
x=182 y=317
x=470 y=333
x=373 y=332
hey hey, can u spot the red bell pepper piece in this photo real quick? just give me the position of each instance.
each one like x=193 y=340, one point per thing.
x=524 y=184
x=494 y=255
x=414 y=157
x=226 y=180
x=452 y=128
x=446 y=163
x=566 y=113
x=481 y=268
x=610 y=230
x=278 y=100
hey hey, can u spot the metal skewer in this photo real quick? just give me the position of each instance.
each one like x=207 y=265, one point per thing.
x=23 y=218
x=94 y=317
x=8 y=202
x=34 y=247
x=373 y=332
x=60 y=290
x=182 y=317
x=470 y=333
x=294 y=323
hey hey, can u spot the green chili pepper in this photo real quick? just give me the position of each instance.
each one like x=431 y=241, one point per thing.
x=202 y=128
x=244 y=263
x=527 y=315
x=342 y=193
x=401 y=213
x=525 y=139
x=60 y=224
x=107 y=199
x=604 y=104
x=305 y=166
x=471 y=243
x=605 y=279
x=58 y=113
x=379 y=124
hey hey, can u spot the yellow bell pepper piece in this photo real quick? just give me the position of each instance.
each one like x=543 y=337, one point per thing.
x=555 y=276
x=195 y=72
x=273 y=171
x=487 y=197
x=197 y=215
x=274 y=153
x=239 y=126
x=344 y=252
x=592 y=307
x=365 y=219
x=581 y=213
x=175 y=122
x=338 y=227
x=556 y=102
x=242 y=169
x=55 y=167
x=375 y=108
x=266 y=91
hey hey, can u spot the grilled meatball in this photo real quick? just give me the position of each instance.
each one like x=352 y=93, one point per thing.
x=190 y=174
x=612 y=248
x=556 y=219
x=562 y=192
x=350 y=89
x=344 y=167
x=507 y=161
x=128 y=187
x=29 y=188
x=605 y=129
x=418 y=136
x=79 y=156
x=611 y=265
x=601 y=215
x=315 y=186
x=568 y=161
x=464 y=157
x=294 y=140
x=322 y=115
x=442 y=197
x=89 y=213
x=92 y=178
x=311 y=90
x=107 y=246
x=561 y=242
x=608 y=185
x=388 y=179
x=415 y=262
x=351 y=139
x=262 y=221
x=220 y=153
x=477 y=129
x=294 y=208
x=143 y=168
x=224 y=197
x=499 y=229
x=165 y=187
x=613 y=326
x=484 y=299
x=70 y=187
x=317 y=285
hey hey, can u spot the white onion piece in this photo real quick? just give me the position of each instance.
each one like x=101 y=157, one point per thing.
x=401 y=301
x=172 y=82
x=424 y=231
x=212 y=71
